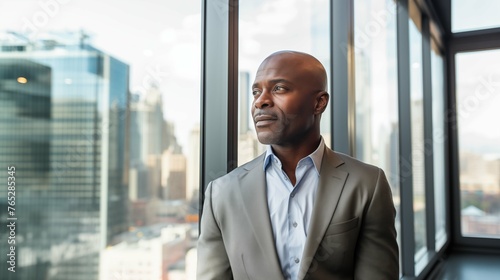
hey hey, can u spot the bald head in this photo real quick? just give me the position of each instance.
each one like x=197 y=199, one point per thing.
x=289 y=97
x=302 y=64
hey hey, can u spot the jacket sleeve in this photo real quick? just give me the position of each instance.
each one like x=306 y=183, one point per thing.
x=377 y=255
x=213 y=262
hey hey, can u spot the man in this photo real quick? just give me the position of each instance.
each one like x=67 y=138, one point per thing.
x=299 y=211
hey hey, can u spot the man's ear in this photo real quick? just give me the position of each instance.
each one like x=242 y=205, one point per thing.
x=322 y=98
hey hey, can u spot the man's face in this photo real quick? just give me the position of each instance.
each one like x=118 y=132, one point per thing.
x=285 y=96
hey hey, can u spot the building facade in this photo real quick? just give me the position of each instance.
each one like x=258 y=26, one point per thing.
x=63 y=125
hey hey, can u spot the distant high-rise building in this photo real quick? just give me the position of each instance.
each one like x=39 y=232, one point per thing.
x=63 y=122
x=248 y=145
x=135 y=130
x=173 y=176
x=245 y=103
x=153 y=125
x=193 y=164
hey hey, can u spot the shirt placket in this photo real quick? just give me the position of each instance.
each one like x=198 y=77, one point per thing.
x=295 y=227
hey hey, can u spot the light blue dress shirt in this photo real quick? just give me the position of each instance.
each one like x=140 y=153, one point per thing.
x=290 y=207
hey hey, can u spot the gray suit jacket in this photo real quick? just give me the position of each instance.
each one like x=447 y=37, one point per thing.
x=351 y=233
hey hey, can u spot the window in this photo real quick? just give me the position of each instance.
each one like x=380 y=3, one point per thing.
x=472 y=15
x=439 y=145
x=478 y=100
x=93 y=99
x=376 y=89
x=417 y=139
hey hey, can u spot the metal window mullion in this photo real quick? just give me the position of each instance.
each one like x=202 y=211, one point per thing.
x=447 y=165
x=405 y=148
x=232 y=94
x=342 y=81
x=428 y=136
x=219 y=89
x=476 y=40
x=454 y=201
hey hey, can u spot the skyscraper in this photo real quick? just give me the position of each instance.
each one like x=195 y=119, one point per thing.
x=173 y=173
x=63 y=125
x=248 y=145
x=193 y=165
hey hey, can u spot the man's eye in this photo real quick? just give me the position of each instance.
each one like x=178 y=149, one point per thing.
x=278 y=88
x=255 y=92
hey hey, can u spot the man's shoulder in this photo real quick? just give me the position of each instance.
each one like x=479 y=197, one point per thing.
x=364 y=175
x=352 y=164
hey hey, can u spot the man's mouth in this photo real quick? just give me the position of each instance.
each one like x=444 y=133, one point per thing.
x=264 y=120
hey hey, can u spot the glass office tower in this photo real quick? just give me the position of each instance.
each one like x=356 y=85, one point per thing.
x=63 y=116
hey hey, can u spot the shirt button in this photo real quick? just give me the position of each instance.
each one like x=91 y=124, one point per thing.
x=292 y=195
x=296 y=260
x=294 y=224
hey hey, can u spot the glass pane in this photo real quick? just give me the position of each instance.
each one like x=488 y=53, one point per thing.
x=438 y=126
x=93 y=102
x=376 y=90
x=270 y=26
x=469 y=15
x=478 y=100
x=417 y=139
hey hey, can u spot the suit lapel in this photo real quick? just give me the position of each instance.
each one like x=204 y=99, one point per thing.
x=254 y=197
x=330 y=186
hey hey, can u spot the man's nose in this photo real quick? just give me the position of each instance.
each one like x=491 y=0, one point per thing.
x=263 y=100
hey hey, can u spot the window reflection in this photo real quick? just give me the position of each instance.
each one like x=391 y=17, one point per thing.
x=93 y=116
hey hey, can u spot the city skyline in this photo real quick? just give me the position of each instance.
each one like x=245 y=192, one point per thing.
x=77 y=100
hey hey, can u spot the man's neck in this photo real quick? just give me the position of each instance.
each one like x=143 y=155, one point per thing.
x=290 y=155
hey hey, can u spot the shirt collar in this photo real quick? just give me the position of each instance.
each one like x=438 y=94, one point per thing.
x=316 y=156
